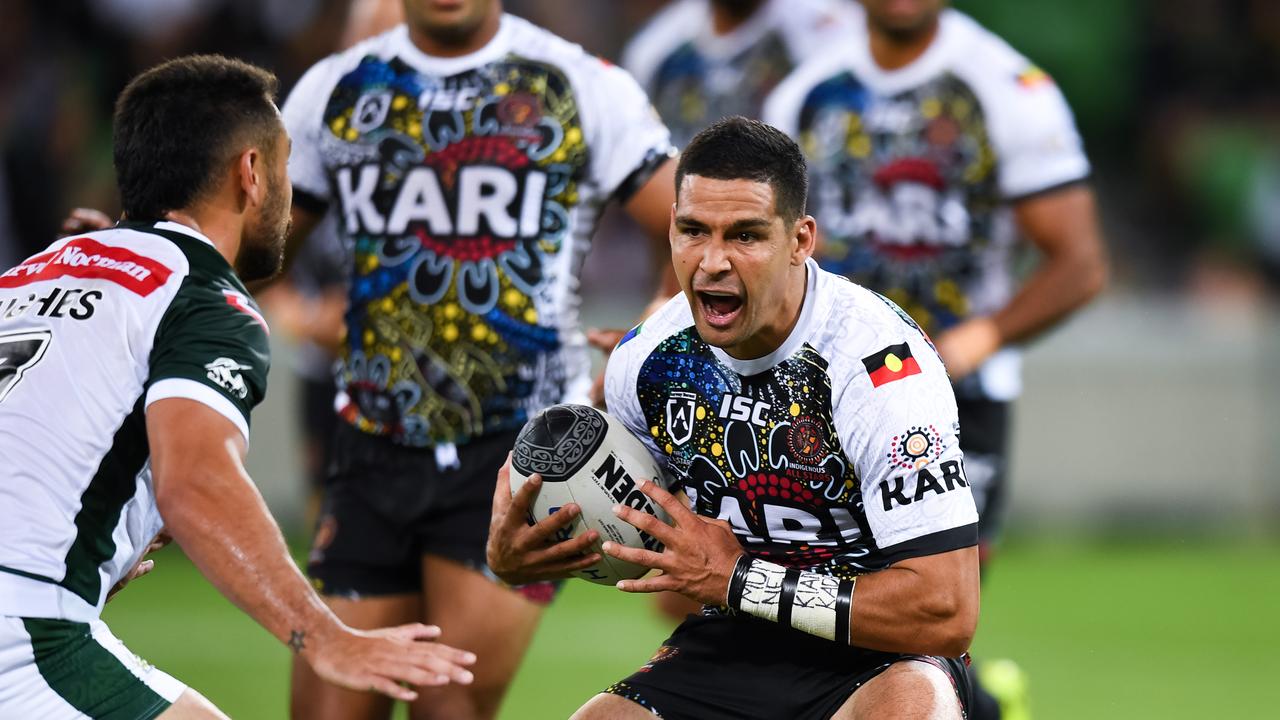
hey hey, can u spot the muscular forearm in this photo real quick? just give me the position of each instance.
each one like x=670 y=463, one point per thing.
x=907 y=608
x=223 y=525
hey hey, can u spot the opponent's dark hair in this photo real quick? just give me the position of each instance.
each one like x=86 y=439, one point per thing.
x=738 y=148
x=177 y=122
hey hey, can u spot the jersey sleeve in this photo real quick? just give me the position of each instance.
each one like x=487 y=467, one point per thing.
x=897 y=422
x=1037 y=145
x=303 y=115
x=211 y=347
x=630 y=141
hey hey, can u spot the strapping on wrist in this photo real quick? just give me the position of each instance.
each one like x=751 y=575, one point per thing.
x=817 y=604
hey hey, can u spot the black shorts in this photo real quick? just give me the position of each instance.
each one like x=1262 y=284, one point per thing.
x=984 y=438
x=736 y=667
x=387 y=505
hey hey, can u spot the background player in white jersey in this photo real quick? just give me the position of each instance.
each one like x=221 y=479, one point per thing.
x=812 y=426
x=130 y=360
x=468 y=154
x=703 y=60
x=932 y=146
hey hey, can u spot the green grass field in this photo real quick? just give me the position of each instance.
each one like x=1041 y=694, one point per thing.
x=1104 y=630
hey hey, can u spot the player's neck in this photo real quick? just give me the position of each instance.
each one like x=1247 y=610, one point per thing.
x=725 y=18
x=450 y=47
x=222 y=229
x=893 y=51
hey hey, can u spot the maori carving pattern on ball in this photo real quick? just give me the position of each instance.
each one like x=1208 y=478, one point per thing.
x=538 y=450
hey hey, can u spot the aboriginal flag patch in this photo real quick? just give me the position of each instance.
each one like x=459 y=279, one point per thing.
x=892 y=363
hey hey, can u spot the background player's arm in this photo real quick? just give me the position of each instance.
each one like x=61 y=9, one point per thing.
x=211 y=507
x=650 y=207
x=1063 y=225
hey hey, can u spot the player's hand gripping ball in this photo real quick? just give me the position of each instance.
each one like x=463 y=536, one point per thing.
x=585 y=456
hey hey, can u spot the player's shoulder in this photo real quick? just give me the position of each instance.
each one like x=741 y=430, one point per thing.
x=320 y=79
x=133 y=259
x=671 y=28
x=865 y=327
x=814 y=28
x=989 y=61
x=534 y=42
x=640 y=341
x=834 y=69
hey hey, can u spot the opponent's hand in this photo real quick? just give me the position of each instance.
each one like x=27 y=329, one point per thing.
x=83 y=220
x=520 y=553
x=699 y=554
x=604 y=341
x=143 y=566
x=966 y=346
x=379 y=660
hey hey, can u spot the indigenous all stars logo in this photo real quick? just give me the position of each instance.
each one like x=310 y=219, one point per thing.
x=681 y=407
x=806 y=439
x=915 y=448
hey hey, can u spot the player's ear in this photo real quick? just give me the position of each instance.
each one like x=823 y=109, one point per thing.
x=806 y=239
x=251 y=173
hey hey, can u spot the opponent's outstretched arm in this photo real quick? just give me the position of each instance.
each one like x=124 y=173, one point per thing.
x=212 y=509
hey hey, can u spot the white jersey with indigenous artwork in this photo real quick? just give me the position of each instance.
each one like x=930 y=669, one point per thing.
x=92 y=331
x=469 y=188
x=914 y=171
x=696 y=76
x=837 y=453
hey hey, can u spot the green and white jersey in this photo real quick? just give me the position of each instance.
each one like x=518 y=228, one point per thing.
x=92 y=331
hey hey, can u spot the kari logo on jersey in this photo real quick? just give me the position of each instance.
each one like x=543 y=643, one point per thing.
x=898 y=492
x=90 y=260
x=681 y=410
x=226 y=373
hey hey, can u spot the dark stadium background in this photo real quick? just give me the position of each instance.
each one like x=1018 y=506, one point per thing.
x=1141 y=574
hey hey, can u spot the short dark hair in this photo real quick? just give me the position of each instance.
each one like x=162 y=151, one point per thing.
x=738 y=148
x=175 y=122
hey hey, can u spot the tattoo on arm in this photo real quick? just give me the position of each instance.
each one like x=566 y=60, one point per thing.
x=297 y=640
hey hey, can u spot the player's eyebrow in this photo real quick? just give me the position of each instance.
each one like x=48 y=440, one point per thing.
x=736 y=226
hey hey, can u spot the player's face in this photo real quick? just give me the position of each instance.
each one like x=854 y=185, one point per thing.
x=449 y=22
x=904 y=18
x=262 y=245
x=733 y=254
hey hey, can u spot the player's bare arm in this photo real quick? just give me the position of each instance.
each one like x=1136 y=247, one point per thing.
x=520 y=553
x=925 y=605
x=1063 y=225
x=650 y=207
x=211 y=507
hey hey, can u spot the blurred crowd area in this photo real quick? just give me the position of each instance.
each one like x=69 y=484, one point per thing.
x=1178 y=101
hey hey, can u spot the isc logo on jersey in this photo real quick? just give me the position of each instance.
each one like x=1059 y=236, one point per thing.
x=226 y=373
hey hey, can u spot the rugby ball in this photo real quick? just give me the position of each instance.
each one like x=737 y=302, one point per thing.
x=588 y=457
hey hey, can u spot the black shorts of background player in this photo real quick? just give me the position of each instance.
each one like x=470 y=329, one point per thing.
x=761 y=326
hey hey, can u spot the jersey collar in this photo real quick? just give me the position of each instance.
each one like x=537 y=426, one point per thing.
x=171 y=226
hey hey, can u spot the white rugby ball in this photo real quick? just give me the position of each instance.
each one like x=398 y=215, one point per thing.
x=588 y=457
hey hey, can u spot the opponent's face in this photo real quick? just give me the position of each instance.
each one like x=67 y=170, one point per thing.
x=903 y=17
x=449 y=22
x=262 y=243
x=733 y=255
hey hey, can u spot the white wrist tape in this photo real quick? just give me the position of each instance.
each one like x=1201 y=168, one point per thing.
x=817 y=604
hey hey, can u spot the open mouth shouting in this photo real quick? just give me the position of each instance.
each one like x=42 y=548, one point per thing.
x=720 y=308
